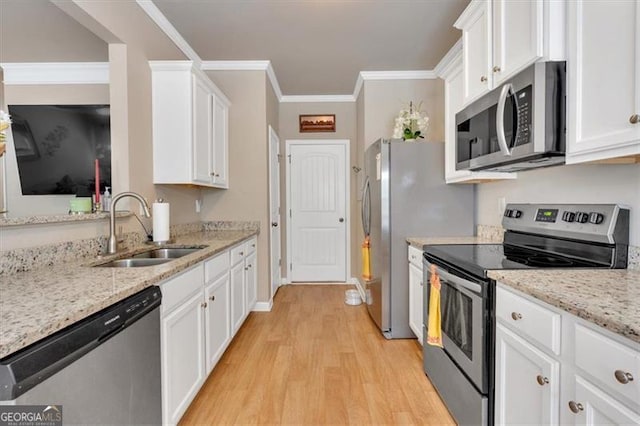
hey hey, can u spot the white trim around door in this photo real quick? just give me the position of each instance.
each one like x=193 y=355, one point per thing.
x=297 y=145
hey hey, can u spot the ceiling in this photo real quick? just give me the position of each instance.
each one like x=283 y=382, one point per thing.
x=318 y=47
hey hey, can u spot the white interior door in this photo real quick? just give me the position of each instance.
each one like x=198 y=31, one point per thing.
x=274 y=209
x=318 y=211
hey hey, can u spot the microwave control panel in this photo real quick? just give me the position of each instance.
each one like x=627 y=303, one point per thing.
x=524 y=112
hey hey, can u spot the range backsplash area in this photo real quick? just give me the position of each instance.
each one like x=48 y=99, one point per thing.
x=588 y=183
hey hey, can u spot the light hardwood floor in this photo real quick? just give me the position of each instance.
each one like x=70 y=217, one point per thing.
x=315 y=360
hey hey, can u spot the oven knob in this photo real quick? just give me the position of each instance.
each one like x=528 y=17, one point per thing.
x=582 y=217
x=516 y=213
x=507 y=213
x=568 y=216
x=596 y=218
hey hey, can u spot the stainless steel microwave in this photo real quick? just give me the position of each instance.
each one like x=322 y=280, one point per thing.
x=518 y=126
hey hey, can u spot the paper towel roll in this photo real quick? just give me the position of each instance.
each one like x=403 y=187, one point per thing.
x=161 y=222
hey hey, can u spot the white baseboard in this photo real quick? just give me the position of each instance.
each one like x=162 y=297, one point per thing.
x=263 y=306
x=356 y=281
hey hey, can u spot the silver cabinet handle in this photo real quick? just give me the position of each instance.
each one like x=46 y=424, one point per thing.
x=212 y=298
x=575 y=407
x=516 y=316
x=203 y=305
x=542 y=380
x=496 y=69
x=241 y=253
x=623 y=377
x=483 y=79
x=341 y=220
x=634 y=119
x=253 y=245
x=274 y=224
x=246 y=268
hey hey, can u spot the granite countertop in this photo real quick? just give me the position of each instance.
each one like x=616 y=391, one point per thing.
x=36 y=304
x=608 y=298
x=420 y=242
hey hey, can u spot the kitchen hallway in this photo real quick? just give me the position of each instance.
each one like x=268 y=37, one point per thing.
x=315 y=360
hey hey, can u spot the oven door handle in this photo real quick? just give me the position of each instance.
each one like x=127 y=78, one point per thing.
x=457 y=281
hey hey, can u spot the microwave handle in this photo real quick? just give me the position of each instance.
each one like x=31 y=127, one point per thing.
x=502 y=101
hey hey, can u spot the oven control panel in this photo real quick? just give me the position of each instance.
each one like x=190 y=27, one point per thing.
x=604 y=222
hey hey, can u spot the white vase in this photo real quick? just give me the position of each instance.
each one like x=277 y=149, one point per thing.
x=409 y=140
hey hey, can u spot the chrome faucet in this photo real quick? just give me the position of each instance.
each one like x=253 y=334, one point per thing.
x=113 y=242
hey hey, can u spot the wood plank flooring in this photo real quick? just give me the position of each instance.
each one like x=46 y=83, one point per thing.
x=315 y=360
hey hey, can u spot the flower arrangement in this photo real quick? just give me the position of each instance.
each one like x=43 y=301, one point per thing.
x=5 y=121
x=411 y=123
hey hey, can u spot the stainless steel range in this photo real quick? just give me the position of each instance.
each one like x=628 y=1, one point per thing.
x=536 y=236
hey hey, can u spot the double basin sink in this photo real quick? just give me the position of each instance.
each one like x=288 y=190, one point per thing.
x=151 y=257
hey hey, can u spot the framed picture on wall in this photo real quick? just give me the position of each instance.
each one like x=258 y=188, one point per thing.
x=317 y=123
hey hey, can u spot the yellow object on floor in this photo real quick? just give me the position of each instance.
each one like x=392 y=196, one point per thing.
x=366 y=259
x=434 y=327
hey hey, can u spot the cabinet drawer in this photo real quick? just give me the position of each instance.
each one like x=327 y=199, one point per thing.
x=531 y=319
x=238 y=253
x=177 y=290
x=415 y=256
x=251 y=245
x=217 y=266
x=609 y=362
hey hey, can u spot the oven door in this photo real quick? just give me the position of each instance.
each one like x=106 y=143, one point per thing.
x=463 y=307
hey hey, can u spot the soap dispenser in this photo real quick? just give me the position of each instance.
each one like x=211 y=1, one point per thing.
x=106 y=200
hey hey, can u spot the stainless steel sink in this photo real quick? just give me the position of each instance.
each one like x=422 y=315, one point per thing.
x=166 y=253
x=134 y=263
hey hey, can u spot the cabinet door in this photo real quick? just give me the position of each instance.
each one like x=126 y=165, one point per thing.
x=594 y=407
x=603 y=79
x=527 y=382
x=202 y=152
x=476 y=48
x=217 y=319
x=517 y=36
x=415 y=300
x=251 y=278
x=182 y=357
x=237 y=296
x=220 y=143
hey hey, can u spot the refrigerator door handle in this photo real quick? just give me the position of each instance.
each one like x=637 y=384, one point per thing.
x=366 y=208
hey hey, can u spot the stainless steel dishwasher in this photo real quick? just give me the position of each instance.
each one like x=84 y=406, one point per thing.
x=104 y=369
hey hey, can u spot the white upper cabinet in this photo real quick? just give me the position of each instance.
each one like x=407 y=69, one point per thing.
x=603 y=75
x=190 y=126
x=502 y=37
x=453 y=94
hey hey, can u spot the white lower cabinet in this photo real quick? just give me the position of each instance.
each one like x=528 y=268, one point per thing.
x=237 y=296
x=182 y=352
x=416 y=292
x=202 y=309
x=527 y=382
x=594 y=407
x=581 y=374
x=251 y=278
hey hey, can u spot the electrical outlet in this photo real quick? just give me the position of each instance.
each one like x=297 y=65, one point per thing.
x=198 y=206
x=502 y=204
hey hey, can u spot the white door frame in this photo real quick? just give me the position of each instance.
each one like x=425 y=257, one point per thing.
x=347 y=194
x=274 y=286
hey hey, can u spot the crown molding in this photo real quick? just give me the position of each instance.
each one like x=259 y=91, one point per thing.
x=318 y=98
x=359 y=84
x=451 y=60
x=398 y=75
x=246 y=66
x=31 y=73
x=171 y=65
x=161 y=21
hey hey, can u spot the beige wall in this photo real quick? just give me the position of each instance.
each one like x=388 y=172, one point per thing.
x=384 y=99
x=345 y=129
x=37 y=31
x=248 y=195
x=594 y=183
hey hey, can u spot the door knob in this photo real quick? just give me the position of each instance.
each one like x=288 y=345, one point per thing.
x=274 y=224
x=341 y=220
x=634 y=119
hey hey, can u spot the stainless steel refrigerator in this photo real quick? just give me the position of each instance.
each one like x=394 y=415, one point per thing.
x=405 y=195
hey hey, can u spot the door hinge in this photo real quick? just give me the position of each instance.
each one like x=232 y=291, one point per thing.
x=289 y=212
x=279 y=157
x=289 y=158
x=279 y=262
x=291 y=266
